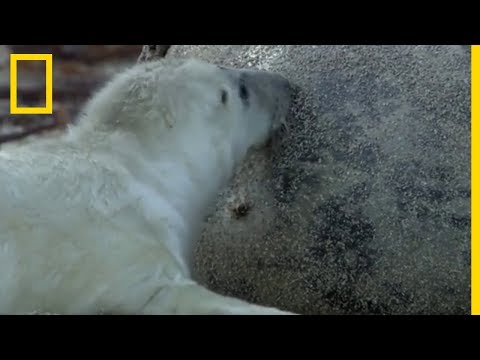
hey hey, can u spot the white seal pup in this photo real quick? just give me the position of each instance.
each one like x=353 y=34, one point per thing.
x=104 y=219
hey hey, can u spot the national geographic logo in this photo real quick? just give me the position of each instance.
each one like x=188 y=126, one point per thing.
x=14 y=108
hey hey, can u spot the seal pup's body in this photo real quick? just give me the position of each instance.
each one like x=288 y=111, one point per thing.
x=104 y=219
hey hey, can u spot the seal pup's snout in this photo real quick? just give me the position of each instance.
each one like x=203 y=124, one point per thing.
x=282 y=91
x=273 y=91
x=286 y=85
x=268 y=92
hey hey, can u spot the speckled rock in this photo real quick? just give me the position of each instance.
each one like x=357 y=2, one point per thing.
x=363 y=207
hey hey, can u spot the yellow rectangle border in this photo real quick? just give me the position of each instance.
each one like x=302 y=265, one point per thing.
x=48 y=109
x=475 y=256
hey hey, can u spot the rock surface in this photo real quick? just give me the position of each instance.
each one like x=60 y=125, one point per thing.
x=363 y=207
x=78 y=70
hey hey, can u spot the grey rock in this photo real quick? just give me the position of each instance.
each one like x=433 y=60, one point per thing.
x=363 y=207
x=153 y=52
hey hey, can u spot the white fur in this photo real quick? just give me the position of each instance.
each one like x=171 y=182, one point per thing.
x=104 y=219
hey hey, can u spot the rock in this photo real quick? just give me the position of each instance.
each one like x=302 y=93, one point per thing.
x=153 y=52
x=364 y=206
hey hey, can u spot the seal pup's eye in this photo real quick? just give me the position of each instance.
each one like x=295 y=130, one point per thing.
x=243 y=91
x=224 y=97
